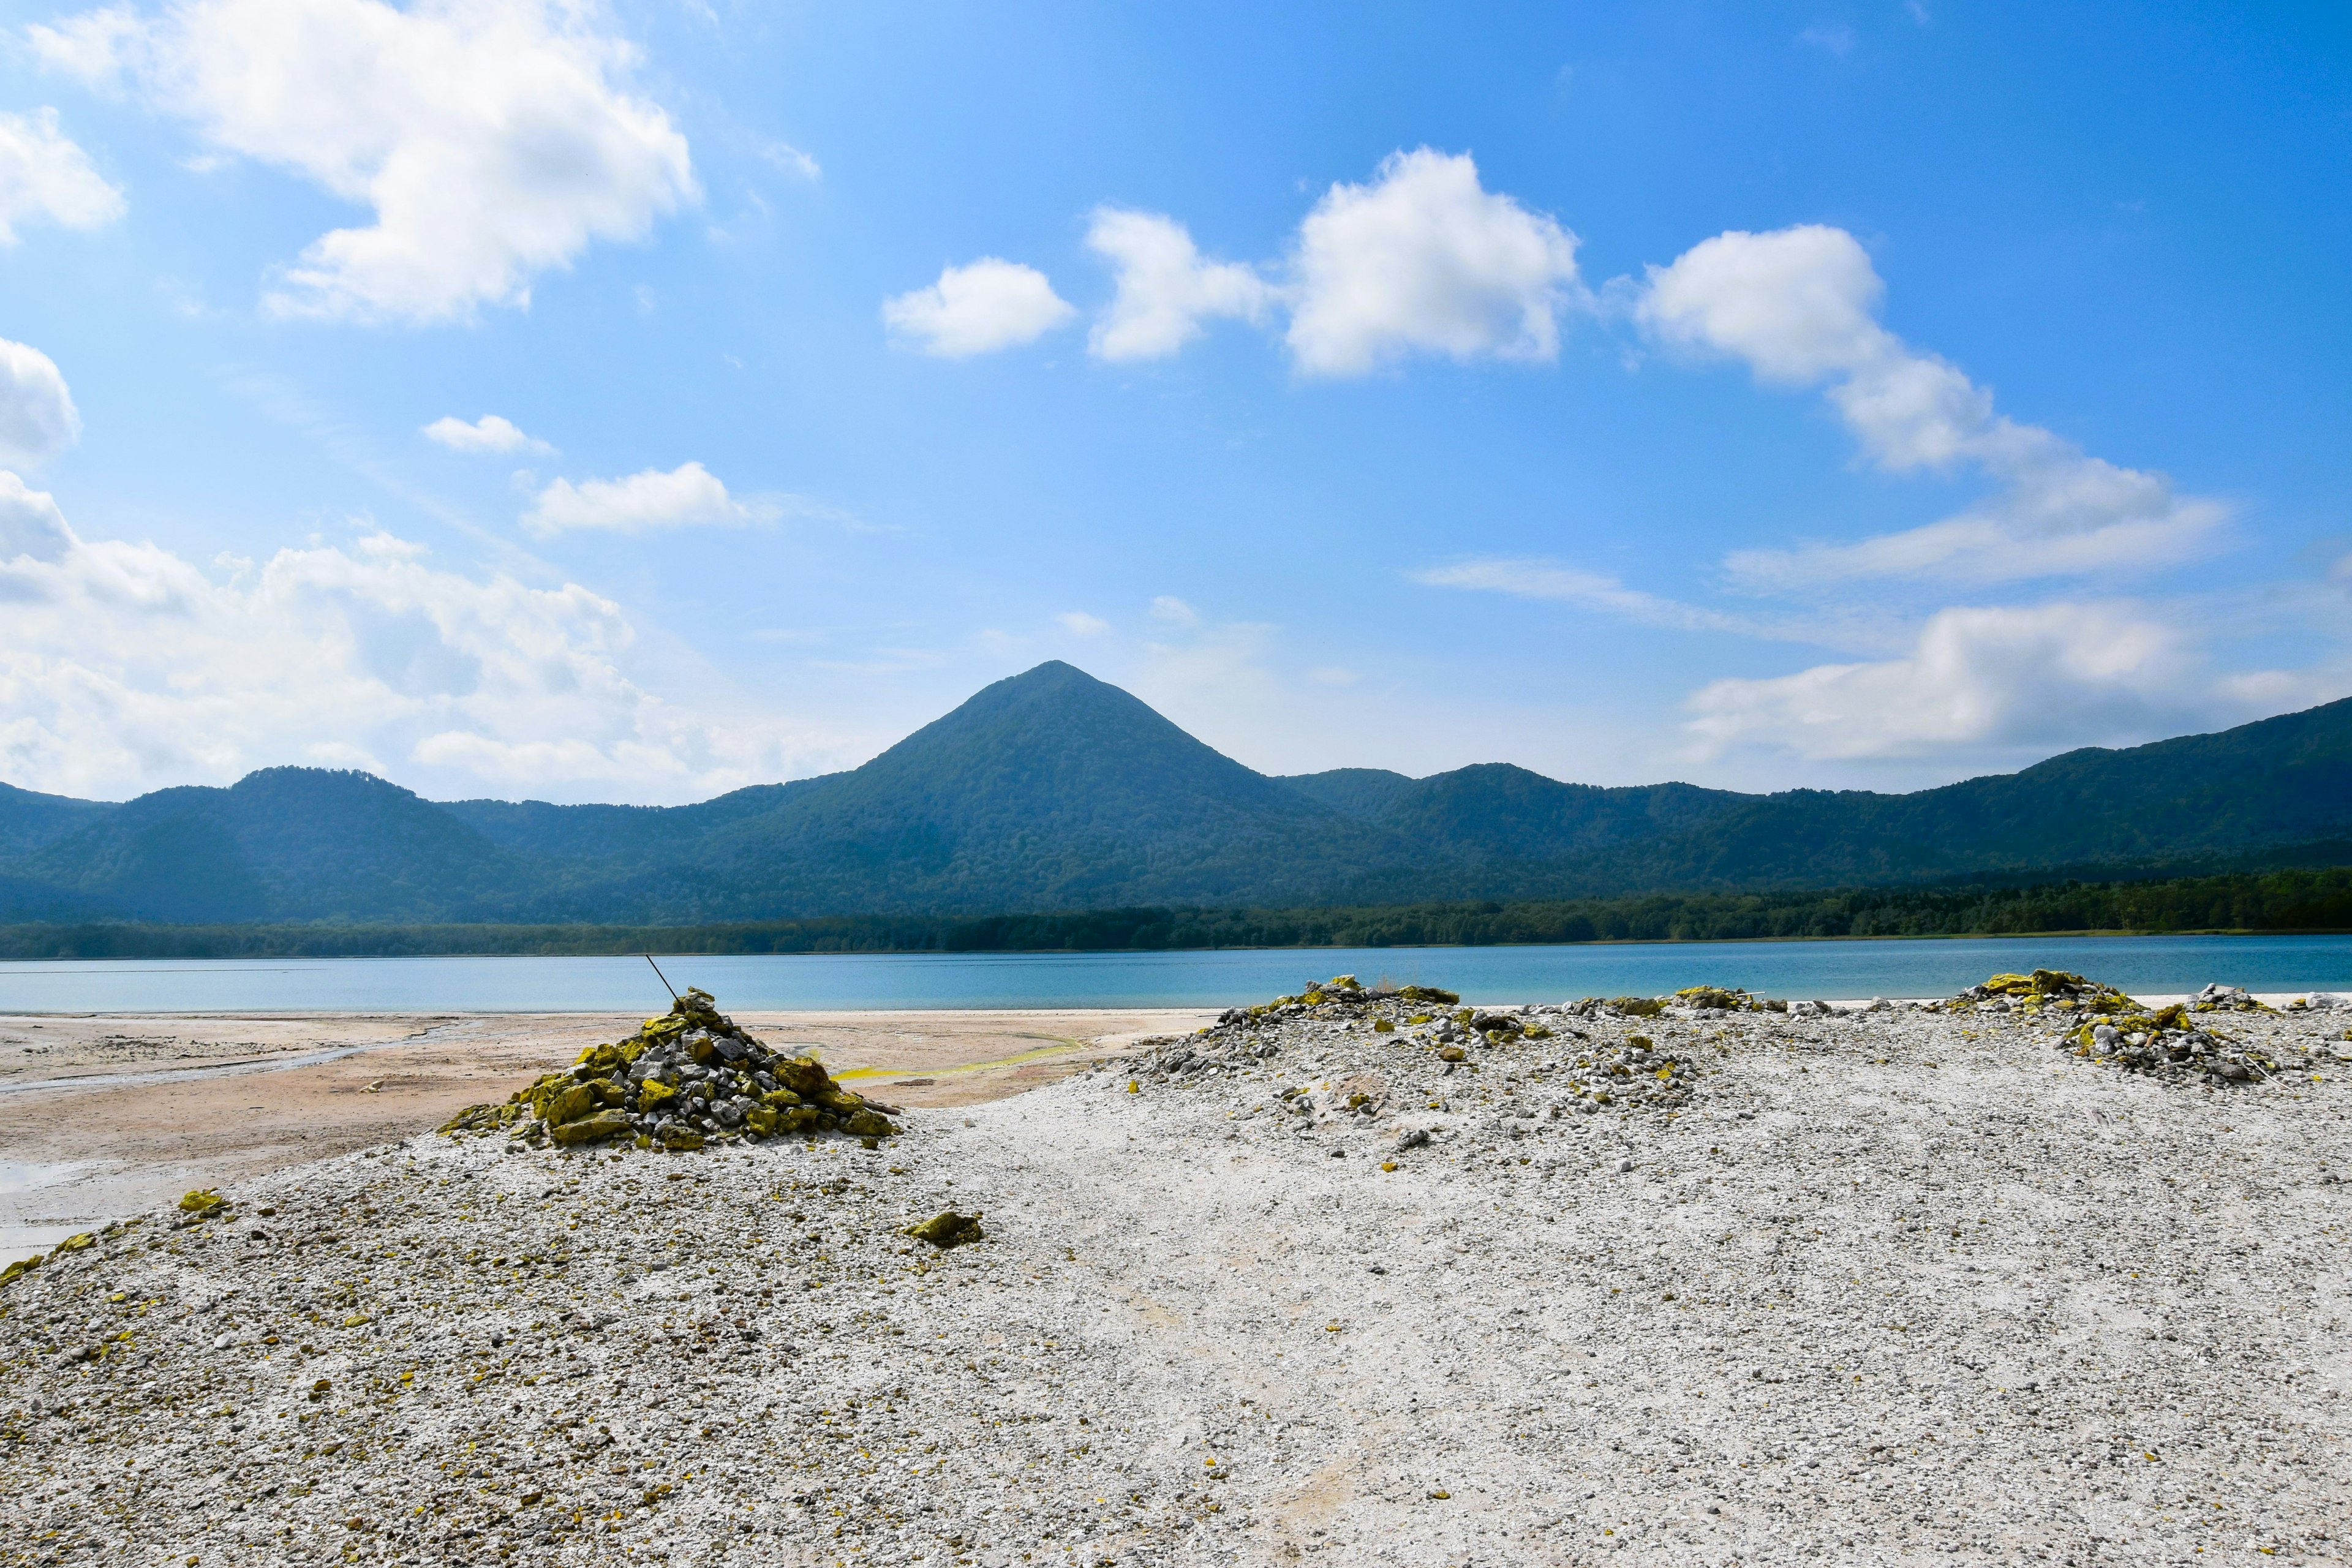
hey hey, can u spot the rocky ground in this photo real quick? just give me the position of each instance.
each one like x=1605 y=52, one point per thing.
x=1845 y=1285
x=102 y=1116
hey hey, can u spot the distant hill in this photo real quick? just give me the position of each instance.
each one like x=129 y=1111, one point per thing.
x=1054 y=791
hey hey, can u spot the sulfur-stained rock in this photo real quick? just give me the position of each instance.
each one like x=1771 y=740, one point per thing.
x=803 y=1076
x=591 y=1128
x=949 y=1228
x=868 y=1123
x=570 y=1105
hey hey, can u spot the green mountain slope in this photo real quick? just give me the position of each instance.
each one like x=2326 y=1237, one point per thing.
x=2275 y=782
x=1048 y=790
x=284 y=844
x=28 y=821
x=1054 y=791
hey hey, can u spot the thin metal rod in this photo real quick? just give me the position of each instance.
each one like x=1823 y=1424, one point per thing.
x=663 y=978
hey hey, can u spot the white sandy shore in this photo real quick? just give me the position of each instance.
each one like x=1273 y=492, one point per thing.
x=1884 y=1289
x=102 y=1116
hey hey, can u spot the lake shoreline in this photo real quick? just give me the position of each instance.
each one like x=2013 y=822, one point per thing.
x=1791 y=970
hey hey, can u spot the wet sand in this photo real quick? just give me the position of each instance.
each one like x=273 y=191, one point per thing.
x=101 y=1116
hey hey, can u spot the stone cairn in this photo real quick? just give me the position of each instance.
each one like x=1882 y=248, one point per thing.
x=2109 y=1028
x=1427 y=1035
x=687 y=1078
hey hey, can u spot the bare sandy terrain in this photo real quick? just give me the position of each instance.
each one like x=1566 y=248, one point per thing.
x=106 y=1116
x=1705 y=1288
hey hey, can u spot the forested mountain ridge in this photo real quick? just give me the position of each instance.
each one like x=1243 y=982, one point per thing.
x=1054 y=791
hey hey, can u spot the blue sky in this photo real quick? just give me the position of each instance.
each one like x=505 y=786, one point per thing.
x=637 y=401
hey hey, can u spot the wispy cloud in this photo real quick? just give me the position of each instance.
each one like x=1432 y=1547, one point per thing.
x=1555 y=582
x=1800 y=306
x=46 y=178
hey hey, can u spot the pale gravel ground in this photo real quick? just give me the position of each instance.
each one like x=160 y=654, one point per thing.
x=107 y=1115
x=1760 y=1342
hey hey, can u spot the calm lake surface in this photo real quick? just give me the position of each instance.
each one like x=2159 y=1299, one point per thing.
x=757 y=983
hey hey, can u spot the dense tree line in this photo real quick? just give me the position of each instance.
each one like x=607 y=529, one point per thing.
x=2290 y=900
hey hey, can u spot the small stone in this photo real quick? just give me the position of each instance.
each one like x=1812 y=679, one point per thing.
x=947 y=1228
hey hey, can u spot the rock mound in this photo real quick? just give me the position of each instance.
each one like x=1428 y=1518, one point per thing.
x=2040 y=991
x=1401 y=1049
x=2111 y=1029
x=687 y=1078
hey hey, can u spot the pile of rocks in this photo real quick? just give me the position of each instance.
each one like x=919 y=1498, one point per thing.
x=2166 y=1044
x=2044 y=990
x=2321 y=1002
x=687 y=1078
x=1398 y=1048
x=1703 y=1001
x=2219 y=998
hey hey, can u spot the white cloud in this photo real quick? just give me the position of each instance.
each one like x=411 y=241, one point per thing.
x=493 y=139
x=1425 y=260
x=1172 y=611
x=128 y=669
x=37 y=417
x=2050 y=675
x=1568 y=585
x=1080 y=624
x=489 y=434
x=31 y=526
x=686 y=495
x=44 y=177
x=1832 y=38
x=977 y=309
x=1165 y=291
x=1799 y=306
x=791 y=159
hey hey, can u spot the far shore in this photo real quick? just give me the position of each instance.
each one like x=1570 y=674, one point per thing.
x=2085 y=934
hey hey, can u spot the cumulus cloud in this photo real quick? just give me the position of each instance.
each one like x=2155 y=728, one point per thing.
x=977 y=309
x=46 y=178
x=37 y=417
x=682 y=497
x=1080 y=624
x=2045 y=676
x=127 y=668
x=493 y=139
x=1426 y=260
x=1799 y=306
x=1165 y=291
x=489 y=434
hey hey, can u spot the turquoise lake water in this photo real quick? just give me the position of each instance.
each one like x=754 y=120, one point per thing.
x=757 y=983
